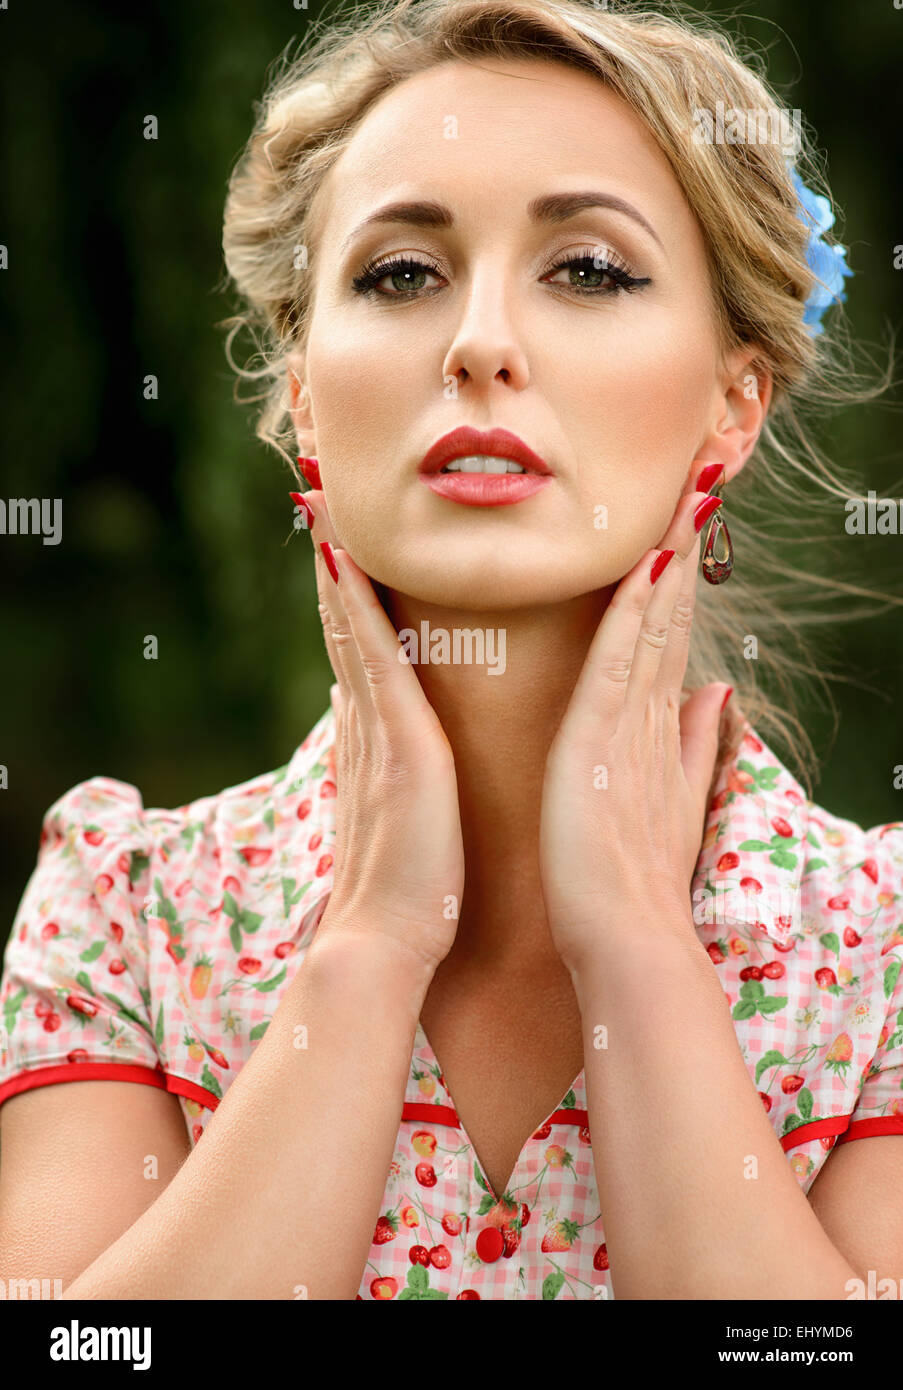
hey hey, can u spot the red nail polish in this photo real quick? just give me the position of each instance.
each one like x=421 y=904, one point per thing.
x=660 y=563
x=730 y=691
x=311 y=470
x=300 y=501
x=330 y=560
x=709 y=477
x=704 y=511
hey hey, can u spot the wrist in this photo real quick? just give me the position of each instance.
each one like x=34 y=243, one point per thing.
x=381 y=959
x=655 y=933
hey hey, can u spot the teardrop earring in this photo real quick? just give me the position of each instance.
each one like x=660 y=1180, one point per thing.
x=718 y=551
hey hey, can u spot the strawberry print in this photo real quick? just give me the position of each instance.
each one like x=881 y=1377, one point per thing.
x=200 y=976
x=162 y=940
x=840 y=1053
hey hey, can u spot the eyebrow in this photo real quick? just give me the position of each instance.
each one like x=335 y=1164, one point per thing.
x=550 y=208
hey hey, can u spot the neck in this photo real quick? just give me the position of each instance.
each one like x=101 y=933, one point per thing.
x=500 y=718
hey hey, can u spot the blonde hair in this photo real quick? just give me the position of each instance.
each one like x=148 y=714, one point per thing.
x=665 y=66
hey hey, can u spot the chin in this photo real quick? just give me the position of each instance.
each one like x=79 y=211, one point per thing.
x=475 y=587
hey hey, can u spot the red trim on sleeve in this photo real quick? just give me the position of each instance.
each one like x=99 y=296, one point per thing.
x=843 y=1126
x=107 y=1071
x=815 y=1129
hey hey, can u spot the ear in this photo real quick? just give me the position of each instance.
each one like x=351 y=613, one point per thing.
x=740 y=408
x=299 y=404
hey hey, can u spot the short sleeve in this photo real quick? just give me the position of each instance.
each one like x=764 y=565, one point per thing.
x=74 y=996
x=879 y=1108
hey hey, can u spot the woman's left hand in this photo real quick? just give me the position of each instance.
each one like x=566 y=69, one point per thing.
x=628 y=772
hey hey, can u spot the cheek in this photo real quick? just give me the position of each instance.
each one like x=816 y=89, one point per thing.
x=643 y=413
x=369 y=399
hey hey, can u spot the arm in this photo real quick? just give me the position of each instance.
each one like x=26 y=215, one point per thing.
x=697 y=1195
x=283 y=1190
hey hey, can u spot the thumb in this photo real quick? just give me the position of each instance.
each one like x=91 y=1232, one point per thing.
x=335 y=699
x=700 y=722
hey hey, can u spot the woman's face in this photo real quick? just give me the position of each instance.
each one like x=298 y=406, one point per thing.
x=617 y=390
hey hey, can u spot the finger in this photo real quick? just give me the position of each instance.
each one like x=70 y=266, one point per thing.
x=658 y=619
x=699 y=730
x=673 y=666
x=604 y=678
x=380 y=675
x=336 y=632
x=366 y=656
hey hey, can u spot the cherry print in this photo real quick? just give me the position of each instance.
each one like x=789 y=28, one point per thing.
x=127 y=1008
x=83 y=1006
x=489 y=1244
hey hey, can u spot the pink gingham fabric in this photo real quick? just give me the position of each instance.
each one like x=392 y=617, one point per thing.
x=153 y=946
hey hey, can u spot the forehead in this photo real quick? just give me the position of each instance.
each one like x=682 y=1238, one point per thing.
x=536 y=125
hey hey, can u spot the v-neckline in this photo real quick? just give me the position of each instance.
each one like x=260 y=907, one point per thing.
x=577 y=1087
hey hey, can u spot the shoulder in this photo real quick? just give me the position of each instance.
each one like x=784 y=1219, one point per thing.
x=799 y=910
x=164 y=938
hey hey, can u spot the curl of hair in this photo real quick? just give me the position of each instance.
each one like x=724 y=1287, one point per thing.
x=665 y=63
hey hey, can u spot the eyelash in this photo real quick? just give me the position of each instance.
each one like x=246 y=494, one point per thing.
x=624 y=282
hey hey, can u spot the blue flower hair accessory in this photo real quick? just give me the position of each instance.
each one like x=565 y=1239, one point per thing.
x=827 y=263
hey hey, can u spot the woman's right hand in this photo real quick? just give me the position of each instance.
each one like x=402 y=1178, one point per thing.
x=399 y=855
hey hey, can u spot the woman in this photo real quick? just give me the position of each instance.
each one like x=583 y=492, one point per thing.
x=534 y=973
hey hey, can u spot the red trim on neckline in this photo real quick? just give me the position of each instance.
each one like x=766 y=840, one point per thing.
x=423 y=1113
x=107 y=1071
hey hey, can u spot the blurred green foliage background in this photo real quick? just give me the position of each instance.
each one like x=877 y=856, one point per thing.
x=175 y=519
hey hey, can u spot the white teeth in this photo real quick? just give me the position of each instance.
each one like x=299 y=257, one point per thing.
x=483 y=463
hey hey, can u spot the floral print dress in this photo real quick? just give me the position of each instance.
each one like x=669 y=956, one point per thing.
x=154 y=945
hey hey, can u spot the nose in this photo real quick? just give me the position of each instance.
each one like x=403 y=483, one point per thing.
x=486 y=346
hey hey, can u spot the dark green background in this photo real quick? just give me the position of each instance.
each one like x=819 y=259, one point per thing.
x=174 y=517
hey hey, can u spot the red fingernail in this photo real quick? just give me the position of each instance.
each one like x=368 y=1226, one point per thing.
x=660 y=563
x=709 y=477
x=300 y=501
x=330 y=560
x=704 y=511
x=730 y=691
x=311 y=470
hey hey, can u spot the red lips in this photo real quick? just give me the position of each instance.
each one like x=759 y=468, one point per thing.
x=495 y=443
